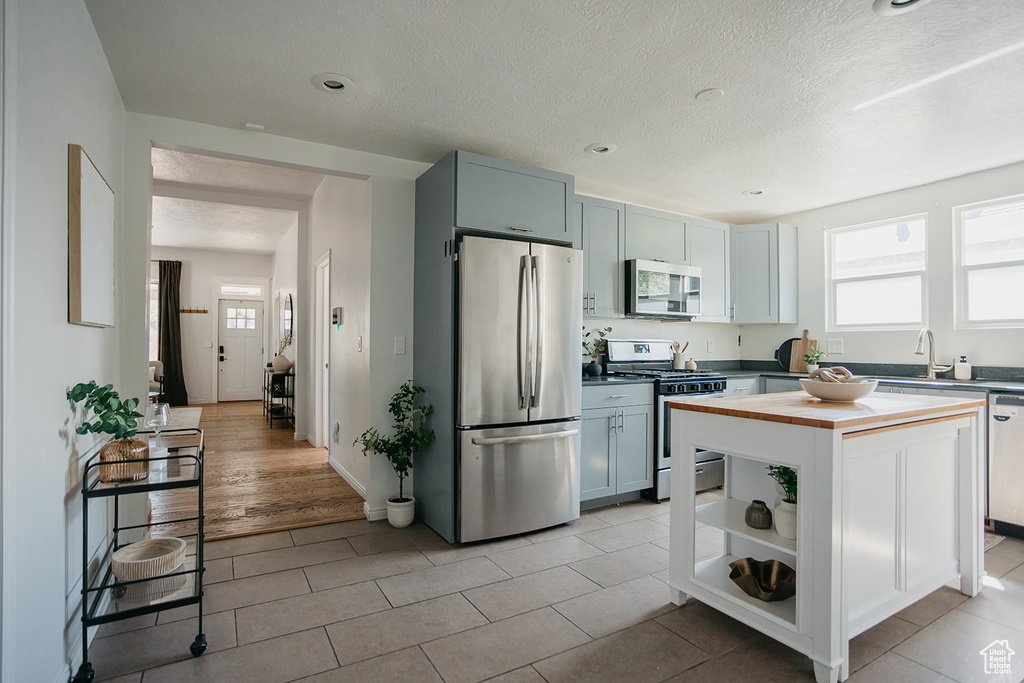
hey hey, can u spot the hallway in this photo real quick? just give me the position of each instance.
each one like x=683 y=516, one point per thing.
x=260 y=479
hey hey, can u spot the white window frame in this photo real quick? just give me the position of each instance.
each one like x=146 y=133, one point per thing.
x=962 y=270
x=830 y=289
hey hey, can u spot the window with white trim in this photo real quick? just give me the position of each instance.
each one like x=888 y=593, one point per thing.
x=990 y=260
x=876 y=274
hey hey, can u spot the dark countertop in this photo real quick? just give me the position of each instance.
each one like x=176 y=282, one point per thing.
x=939 y=383
x=613 y=379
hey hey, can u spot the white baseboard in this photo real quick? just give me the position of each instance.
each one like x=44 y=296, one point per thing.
x=302 y=436
x=352 y=481
x=374 y=515
x=64 y=675
x=200 y=401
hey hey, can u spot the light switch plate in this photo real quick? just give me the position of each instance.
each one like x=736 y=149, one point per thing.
x=399 y=346
x=711 y=346
x=835 y=346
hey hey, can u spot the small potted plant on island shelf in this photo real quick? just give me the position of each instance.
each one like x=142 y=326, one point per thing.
x=126 y=457
x=785 y=511
x=812 y=357
x=410 y=435
x=594 y=348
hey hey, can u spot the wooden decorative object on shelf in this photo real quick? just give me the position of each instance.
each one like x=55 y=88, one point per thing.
x=148 y=559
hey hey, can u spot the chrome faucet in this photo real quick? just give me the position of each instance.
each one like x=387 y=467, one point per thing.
x=932 y=367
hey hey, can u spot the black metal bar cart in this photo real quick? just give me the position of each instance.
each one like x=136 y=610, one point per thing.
x=104 y=597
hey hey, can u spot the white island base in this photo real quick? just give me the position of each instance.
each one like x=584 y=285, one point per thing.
x=890 y=509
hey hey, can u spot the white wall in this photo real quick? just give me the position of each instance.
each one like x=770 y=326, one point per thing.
x=392 y=187
x=982 y=347
x=44 y=355
x=284 y=281
x=199 y=332
x=340 y=222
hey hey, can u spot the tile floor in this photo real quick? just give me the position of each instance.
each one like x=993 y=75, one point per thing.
x=361 y=601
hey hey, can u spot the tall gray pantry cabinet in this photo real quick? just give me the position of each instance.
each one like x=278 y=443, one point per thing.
x=467 y=194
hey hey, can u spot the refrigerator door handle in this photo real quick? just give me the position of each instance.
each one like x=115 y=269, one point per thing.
x=538 y=333
x=522 y=328
x=499 y=440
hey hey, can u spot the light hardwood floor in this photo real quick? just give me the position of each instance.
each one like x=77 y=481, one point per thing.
x=260 y=479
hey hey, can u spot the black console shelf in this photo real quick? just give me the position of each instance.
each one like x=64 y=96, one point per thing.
x=279 y=396
x=105 y=598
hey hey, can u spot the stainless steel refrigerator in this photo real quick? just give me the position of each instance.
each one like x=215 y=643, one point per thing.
x=518 y=386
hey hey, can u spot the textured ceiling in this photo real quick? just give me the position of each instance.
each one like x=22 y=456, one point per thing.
x=202 y=224
x=537 y=81
x=235 y=176
x=195 y=224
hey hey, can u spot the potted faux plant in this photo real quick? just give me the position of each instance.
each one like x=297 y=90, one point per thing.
x=127 y=457
x=594 y=348
x=785 y=511
x=812 y=357
x=410 y=435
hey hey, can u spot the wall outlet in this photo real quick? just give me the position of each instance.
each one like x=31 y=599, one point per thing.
x=711 y=346
x=835 y=346
x=399 y=346
x=335 y=432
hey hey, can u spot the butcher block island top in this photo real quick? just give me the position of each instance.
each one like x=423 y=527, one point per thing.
x=799 y=408
x=889 y=508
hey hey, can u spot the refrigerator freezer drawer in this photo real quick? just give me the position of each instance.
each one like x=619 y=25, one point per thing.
x=518 y=479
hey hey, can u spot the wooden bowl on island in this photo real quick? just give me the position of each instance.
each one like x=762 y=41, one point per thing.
x=838 y=392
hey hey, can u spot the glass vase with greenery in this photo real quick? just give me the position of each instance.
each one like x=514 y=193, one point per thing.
x=410 y=434
x=124 y=456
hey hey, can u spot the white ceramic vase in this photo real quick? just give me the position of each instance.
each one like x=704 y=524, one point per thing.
x=811 y=367
x=785 y=520
x=401 y=514
x=281 y=363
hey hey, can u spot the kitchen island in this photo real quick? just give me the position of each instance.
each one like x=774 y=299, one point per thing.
x=890 y=508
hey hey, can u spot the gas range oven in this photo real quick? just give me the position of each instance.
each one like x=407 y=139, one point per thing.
x=653 y=358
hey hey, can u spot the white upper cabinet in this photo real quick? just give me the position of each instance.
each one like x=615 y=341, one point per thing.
x=707 y=245
x=764 y=273
x=655 y=235
x=604 y=247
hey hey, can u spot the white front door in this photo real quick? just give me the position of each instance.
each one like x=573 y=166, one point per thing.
x=241 y=351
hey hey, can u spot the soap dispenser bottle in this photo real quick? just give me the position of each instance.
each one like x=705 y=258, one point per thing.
x=962 y=369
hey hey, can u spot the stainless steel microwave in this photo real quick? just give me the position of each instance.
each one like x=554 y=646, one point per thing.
x=655 y=289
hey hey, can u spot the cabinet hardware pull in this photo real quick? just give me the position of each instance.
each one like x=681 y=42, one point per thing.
x=619 y=396
x=512 y=227
x=622 y=421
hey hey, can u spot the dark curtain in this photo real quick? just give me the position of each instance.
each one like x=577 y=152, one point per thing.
x=170 y=334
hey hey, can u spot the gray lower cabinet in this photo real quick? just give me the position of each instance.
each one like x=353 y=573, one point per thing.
x=601 y=222
x=515 y=200
x=773 y=385
x=764 y=273
x=617 y=448
x=653 y=234
x=741 y=386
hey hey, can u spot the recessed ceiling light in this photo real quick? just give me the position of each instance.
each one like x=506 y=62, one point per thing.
x=599 y=148
x=709 y=95
x=330 y=82
x=753 y=193
x=888 y=8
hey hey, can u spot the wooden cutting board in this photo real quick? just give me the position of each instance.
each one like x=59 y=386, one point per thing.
x=800 y=347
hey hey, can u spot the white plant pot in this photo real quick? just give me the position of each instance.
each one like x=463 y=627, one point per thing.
x=281 y=363
x=811 y=367
x=401 y=514
x=785 y=520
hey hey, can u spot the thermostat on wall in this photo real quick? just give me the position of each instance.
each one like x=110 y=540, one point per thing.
x=337 y=313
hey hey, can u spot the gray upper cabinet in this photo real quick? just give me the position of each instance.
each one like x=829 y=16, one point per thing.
x=511 y=199
x=707 y=245
x=653 y=234
x=764 y=273
x=604 y=246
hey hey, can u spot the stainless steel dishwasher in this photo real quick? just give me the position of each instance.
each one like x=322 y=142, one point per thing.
x=1006 y=463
